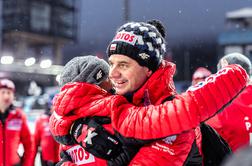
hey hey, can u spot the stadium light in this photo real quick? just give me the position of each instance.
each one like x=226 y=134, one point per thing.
x=7 y=59
x=45 y=63
x=30 y=61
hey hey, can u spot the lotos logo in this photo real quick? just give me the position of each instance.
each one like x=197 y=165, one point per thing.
x=80 y=156
x=125 y=37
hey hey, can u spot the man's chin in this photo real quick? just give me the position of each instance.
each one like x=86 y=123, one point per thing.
x=120 y=91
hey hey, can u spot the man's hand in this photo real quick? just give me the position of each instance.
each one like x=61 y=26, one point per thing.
x=90 y=134
x=65 y=160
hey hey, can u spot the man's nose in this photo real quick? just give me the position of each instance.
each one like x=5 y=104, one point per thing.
x=113 y=72
x=6 y=96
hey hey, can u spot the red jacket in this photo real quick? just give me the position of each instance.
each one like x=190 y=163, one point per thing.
x=71 y=98
x=182 y=113
x=157 y=123
x=172 y=150
x=13 y=132
x=81 y=100
x=234 y=124
x=44 y=139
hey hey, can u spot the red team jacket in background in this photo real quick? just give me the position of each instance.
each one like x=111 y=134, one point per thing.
x=234 y=124
x=44 y=139
x=13 y=132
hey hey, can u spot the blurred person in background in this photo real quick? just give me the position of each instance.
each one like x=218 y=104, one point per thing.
x=44 y=141
x=14 y=129
x=234 y=123
x=200 y=75
x=242 y=157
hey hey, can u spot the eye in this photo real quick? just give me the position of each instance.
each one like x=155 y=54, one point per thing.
x=110 y=64
x=123 y=65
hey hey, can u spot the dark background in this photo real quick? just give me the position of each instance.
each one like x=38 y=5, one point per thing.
x=192 y=28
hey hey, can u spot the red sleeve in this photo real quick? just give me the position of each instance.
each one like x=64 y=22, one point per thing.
x=37 y=133
x=27 y=141
x=215 y=122
x=184 y=112
x=37 y=138
x=60 y=126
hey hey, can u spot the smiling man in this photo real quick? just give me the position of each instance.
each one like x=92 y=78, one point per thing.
x=139 y=72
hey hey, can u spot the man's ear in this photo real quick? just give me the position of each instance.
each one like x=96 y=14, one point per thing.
x=149 y=72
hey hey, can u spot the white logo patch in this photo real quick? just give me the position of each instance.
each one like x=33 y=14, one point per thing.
x=113 y=47
x=99 y=75
x=14 y=124
x=170 y=139
x=89 y=137
x=144 y=56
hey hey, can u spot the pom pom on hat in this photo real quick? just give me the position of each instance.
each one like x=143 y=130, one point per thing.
x=89 y=69
x=140 y=41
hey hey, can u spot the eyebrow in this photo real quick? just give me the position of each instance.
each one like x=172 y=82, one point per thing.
x=120 y=62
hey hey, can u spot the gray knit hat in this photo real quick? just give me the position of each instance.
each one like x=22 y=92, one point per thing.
x=89 y=69
x=140 y=41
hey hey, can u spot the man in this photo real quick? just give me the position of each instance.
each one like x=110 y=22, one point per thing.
x=13 y=128
x=234 y=123
x=138 y=72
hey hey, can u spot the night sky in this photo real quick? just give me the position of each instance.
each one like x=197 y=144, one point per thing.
x=192 y=26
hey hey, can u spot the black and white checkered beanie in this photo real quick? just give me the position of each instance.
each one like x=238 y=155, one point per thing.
x=141 y=42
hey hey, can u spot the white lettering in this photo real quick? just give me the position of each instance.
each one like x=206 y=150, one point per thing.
x=80 y=156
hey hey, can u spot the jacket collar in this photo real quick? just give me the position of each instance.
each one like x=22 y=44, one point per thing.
x=158 y=87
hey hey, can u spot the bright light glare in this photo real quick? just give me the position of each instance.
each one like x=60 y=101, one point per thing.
x=30 y=61
x=7 y=59
x=58 y=78
x=45 y=63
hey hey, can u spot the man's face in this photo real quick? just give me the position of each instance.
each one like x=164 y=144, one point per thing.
x=126 y=74
x=6 y=98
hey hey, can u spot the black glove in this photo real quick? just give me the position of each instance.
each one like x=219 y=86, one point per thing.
x=65 y=158
x=124 y=157
x=95 y=139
